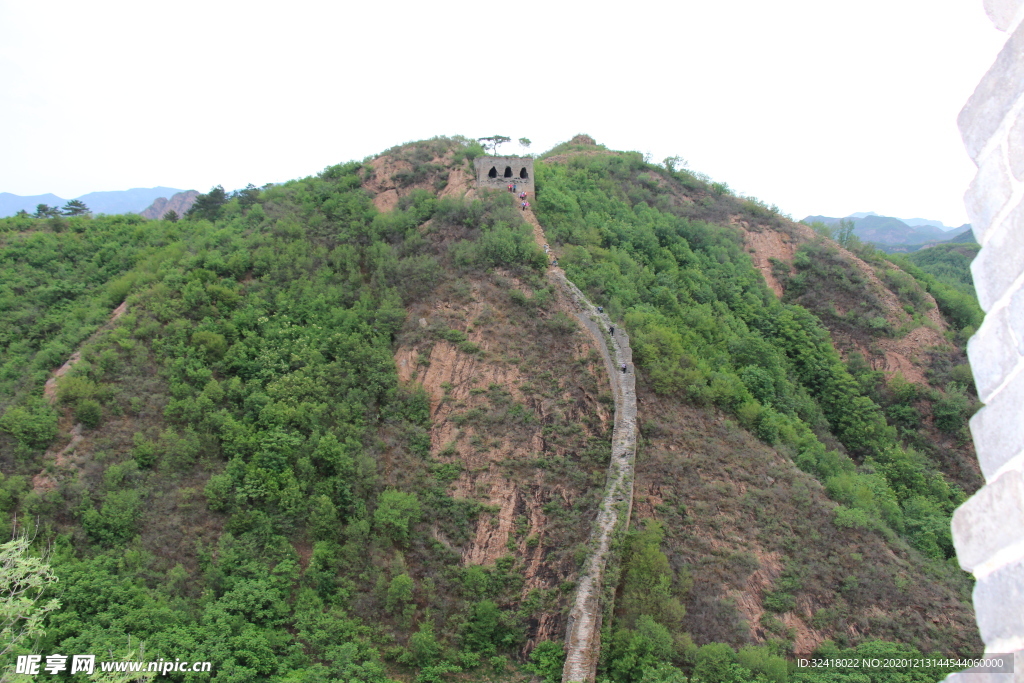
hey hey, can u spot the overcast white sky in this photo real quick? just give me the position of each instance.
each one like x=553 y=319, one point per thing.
x=818 y=106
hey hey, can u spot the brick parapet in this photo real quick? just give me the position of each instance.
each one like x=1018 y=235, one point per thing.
x=988 y=529
x=1005 y=14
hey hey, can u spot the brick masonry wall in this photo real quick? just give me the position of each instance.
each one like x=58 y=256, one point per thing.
x=988 y=529
x=483 y=164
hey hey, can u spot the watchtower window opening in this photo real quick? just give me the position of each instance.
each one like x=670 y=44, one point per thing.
x=508 y=171
x=493 y=173
x=523 y=174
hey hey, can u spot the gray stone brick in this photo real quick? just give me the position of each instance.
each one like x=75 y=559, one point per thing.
x=990 y=520
x=1016 y=147
x=999 y=604
x=998 y=428
x=1015 y=318
x=1002 y=12
x=995 y=95
x=993 y=353
x=1001 y=260
x=988 y=193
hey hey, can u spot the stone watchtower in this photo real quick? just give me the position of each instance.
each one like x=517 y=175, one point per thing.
x=498 y=172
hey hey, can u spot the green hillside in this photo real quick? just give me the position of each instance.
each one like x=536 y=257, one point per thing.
x=964 y=238
x=337 y=439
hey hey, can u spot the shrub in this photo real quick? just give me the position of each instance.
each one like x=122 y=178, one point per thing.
x=559 y=324
x=547 y=661
x=89 y=413
x=416 y=276
x=488 y=629
x=760 y=660
x=34 y=424
x=779 y=601
x=950 y=411
x=115 y=522
x=847 y=518
x=396 y=511
x=424 y=650
x=212 y=343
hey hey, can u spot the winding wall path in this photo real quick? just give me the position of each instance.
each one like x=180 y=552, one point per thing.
x=583 y=634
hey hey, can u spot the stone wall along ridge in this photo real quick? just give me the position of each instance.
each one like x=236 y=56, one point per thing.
x=583 y=631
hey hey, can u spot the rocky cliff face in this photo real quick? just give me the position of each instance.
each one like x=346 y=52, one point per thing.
x=179 y=203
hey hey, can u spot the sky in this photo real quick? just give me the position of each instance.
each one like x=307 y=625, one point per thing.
x=817 y=107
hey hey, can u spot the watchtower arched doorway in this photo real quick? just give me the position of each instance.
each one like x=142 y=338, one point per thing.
x=523 y=174
x=493 y=173
x=508 y=171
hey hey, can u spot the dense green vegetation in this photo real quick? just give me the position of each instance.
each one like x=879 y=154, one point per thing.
x=256 y=367
x=59 y=280
x=945 y=270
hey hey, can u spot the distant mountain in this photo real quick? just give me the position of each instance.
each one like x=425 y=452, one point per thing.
x=964 y=238
x=134 y=200
x=179 y=203
x=888 y=230
x=11 y=204
x=888 y=233
x=914 y=222
x=118 y=201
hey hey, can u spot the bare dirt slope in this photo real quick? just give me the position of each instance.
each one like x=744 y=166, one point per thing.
x=523 y=410
x=396 y=174
x=890 y=355
x=744 y=523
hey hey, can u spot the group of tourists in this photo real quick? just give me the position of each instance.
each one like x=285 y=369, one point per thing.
x=547 y=250
x=512 y=187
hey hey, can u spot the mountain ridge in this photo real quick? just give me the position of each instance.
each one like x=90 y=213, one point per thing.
x=134 y=200
x=888 y=232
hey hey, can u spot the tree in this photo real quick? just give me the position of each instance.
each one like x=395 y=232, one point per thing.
x=75 y=207
x=46 y=211
x=171 y=216
x=494 y=140
x=525 y=142
x=208 y=205
x=844 y=232
x=248 y=196
x=23 y=582
x=673 y=163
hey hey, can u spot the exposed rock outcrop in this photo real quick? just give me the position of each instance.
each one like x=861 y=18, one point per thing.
x=179 y=203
